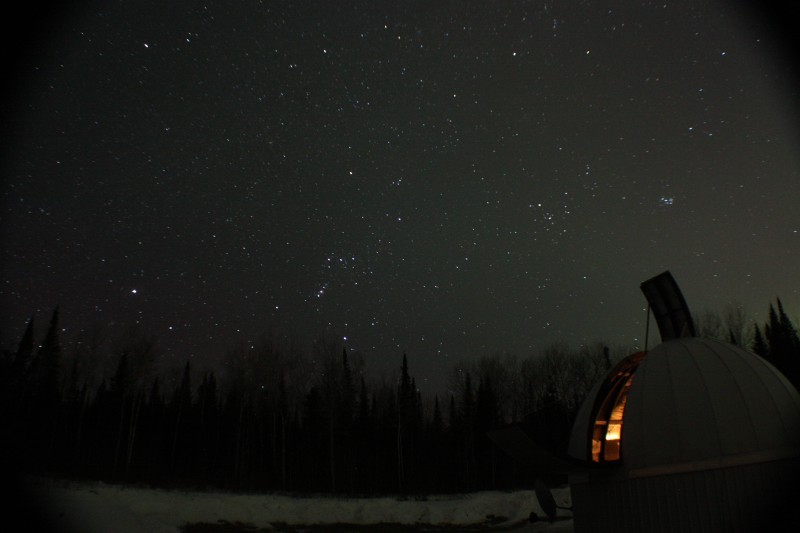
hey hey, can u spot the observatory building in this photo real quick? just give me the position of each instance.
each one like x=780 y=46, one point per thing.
x=693 y=435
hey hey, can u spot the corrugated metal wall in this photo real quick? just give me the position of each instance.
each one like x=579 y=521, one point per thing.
x=726 y=500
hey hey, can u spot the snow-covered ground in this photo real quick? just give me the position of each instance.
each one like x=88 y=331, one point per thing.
x=99 y=507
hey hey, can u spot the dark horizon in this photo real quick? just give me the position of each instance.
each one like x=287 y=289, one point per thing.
x=279 y=422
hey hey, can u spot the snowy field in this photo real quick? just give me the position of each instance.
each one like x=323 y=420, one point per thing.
x=99 y=507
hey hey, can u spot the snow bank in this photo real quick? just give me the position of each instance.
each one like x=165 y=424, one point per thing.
x=99 y=507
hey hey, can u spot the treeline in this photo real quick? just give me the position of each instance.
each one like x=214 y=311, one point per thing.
x=276 y=418
x=775 y=339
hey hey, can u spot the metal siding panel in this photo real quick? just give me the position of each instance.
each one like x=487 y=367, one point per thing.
x=581 y=512
x=664 y=520
x=713 y=514
x=692 y=497
x=638 y=505
x=651 y=510
x=682 y=508
x=748 y=483
x=727 y=485
x=725 y=500
x=639 y=500
x=658 y=518
x=610 y=508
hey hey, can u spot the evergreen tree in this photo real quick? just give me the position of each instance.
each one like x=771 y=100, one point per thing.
x=280 y=430
x=342 y=445
x=789 y=332
x=759 y=345
x=155 y=439
x=314 y=445
x=453 y=417
x=404 y=400
x=452 y=471
x=787 y=349
x=347 y=407
x=49 y=361
x=363 y=434
x=363 y=406
x=773 y=333
x=119 y=391
x=487 y=417
x=435 y=453
x=155 y=398
x=181 y=407
x=437 y=422
x=467 y=417
x=783 y=344
x=24 y=353
x=208 y=442
x=16 y=395
x=46 y=387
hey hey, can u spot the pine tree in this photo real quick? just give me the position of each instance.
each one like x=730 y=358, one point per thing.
x=467 y=417
x=46 y=376
x=363 y=406
x=774 y=334
x=119 y=390
x=155 y=441
x=784 y=344
x=452 y=471
x=49 y=358
x=791 y=338
x=403 y=421
x=155 y=398
x=24 y=353
x=487 y=417
x=207 y=407
x=347 y=407
x=314 y=428
x=181 y=406
x=435 y=462
x=363 y=461
x=759 y=345
x=16 y=395
x=453 y=418
x=341 y=437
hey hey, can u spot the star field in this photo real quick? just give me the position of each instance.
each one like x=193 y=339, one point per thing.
x=445 y=179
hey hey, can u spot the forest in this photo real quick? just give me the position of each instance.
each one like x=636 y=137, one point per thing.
x=275 y=418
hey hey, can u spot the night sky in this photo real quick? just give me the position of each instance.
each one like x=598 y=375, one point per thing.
x=445 y=179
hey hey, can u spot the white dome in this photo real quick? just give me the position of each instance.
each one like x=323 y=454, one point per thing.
x=699 y=403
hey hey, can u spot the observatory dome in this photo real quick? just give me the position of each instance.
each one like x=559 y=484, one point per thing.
x=689 y=404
